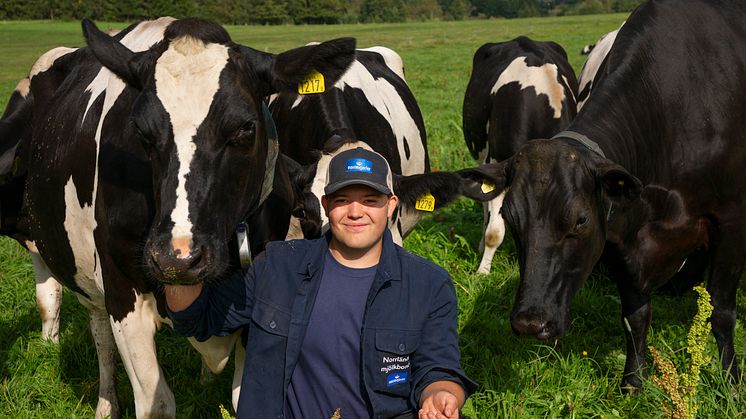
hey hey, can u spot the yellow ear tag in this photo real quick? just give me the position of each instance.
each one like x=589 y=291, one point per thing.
x=425 y=203
x=313 y=83
x=487 y=186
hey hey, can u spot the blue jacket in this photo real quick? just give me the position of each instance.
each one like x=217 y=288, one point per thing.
x=409 y=325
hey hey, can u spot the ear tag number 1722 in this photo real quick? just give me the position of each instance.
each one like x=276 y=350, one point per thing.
x=313 y=83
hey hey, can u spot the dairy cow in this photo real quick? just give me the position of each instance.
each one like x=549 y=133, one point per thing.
x=371 y=104
x=518 y=90
x=146 y=151
x=647 y=176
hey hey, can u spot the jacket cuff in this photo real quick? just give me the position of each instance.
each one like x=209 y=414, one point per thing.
x=439 y=374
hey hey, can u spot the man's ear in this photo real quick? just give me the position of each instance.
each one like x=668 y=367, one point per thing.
x=393 y=202
x=617 y=183
x=325 y=205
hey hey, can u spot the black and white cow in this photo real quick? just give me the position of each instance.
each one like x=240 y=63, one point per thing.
x=146 y=152
x=647 y=175
x=15 y=131
x=372 y=105
x=519 y=90
x=593 y=64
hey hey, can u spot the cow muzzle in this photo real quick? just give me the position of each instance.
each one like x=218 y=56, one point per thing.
x=532 y=324
x=177 y=265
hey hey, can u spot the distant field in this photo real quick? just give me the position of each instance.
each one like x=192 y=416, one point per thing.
x=520 y=378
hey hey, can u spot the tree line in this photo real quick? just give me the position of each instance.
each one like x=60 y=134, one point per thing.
x=304 y=11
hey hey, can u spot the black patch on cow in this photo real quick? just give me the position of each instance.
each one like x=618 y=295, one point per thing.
x=406 y=148
x=204 y=30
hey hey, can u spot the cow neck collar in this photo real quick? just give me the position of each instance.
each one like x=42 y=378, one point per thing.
x=273 y=148
x=582 y=139
x=591 y=145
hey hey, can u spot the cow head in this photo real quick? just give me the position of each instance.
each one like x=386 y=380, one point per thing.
x=556 y=207
x=200 y=116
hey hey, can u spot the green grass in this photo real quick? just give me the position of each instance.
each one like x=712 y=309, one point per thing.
x=520 y=378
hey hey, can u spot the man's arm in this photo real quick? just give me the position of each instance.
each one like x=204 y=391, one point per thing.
x=441 y=399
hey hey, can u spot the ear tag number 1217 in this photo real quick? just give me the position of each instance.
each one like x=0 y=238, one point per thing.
x=313 y=83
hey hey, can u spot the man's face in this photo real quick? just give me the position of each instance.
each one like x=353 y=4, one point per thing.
x=358 y=216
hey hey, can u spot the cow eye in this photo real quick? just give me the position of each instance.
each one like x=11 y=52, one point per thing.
x=244 y=134
x=581 y=221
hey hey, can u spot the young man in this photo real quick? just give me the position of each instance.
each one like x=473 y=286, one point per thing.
x=348 y=323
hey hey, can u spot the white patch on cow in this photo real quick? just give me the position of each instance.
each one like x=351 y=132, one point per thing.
x=46 y=61
x=187 y=77
x=494 y=232
x=567 y=87
x=322 y=166
x=48 y=299
x=543 y=79
x=593 y=62
x=384 y=98
x=23 y=87
x=80 y=222
x=297 y=102
x=392 y=59
x=134 y=338
x=294 y=230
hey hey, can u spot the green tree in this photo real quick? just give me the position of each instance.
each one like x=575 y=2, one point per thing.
x=383 y=11
x=423 y=10
x=273 y=12
x=455 y=9
x=316 y=11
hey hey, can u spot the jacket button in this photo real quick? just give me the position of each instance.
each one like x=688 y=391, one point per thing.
x=272 y=324
x=402 y=347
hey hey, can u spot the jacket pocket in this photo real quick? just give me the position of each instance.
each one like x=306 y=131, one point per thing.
x=271 y=319
x=393 y=367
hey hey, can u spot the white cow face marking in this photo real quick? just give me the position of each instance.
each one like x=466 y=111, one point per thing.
x=543 y=79
x=187 y=77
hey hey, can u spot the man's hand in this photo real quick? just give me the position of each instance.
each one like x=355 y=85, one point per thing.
x=179 y=297
x=441 y=400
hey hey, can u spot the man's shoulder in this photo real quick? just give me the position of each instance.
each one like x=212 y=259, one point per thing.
x=417 y=264
x=287 y=252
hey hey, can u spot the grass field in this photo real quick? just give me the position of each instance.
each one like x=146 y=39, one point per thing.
x=578 y=377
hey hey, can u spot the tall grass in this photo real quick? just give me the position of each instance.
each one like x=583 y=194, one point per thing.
x=578 y=376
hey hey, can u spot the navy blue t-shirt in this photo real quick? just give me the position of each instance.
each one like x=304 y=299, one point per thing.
x=327 y=376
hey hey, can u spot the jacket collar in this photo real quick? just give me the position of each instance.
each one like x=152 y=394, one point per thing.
x=388 y=267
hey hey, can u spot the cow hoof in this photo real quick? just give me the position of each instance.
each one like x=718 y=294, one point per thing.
x=631 y=385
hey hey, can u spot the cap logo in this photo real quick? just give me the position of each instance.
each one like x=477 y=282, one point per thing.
x=359 y=165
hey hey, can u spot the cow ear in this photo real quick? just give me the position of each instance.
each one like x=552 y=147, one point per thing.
x=617 y=183
x=131 y=67
x=286 y=70
x=485 y=182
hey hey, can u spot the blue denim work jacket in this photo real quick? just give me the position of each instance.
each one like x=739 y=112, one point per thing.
x=409 y=337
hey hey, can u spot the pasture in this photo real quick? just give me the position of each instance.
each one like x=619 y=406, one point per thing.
x=520 y=378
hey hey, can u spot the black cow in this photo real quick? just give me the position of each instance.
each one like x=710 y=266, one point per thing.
x=146 y=151
x=371 y=104
x=648 y=174
x=519 y=90
x=593 y=65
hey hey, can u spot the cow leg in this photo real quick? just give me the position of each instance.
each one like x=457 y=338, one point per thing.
x=494 y=232
x=239 y=360
x=108 y=404
x=726 y=270
x=48 y=299
x=636 y=316
x=134 y=335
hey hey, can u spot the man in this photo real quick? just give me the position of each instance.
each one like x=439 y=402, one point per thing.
x=349 y=323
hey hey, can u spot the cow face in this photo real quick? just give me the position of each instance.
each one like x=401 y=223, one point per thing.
x=200 y=116
x=556 y=208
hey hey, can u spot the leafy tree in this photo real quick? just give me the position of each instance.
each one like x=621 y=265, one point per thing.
x=423 y=10
x=455 y=9
x=273 y=12
x=383 y=11
x=316 y=11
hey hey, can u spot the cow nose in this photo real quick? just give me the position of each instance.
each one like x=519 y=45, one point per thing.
x=531 y=325
x=176 y=267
